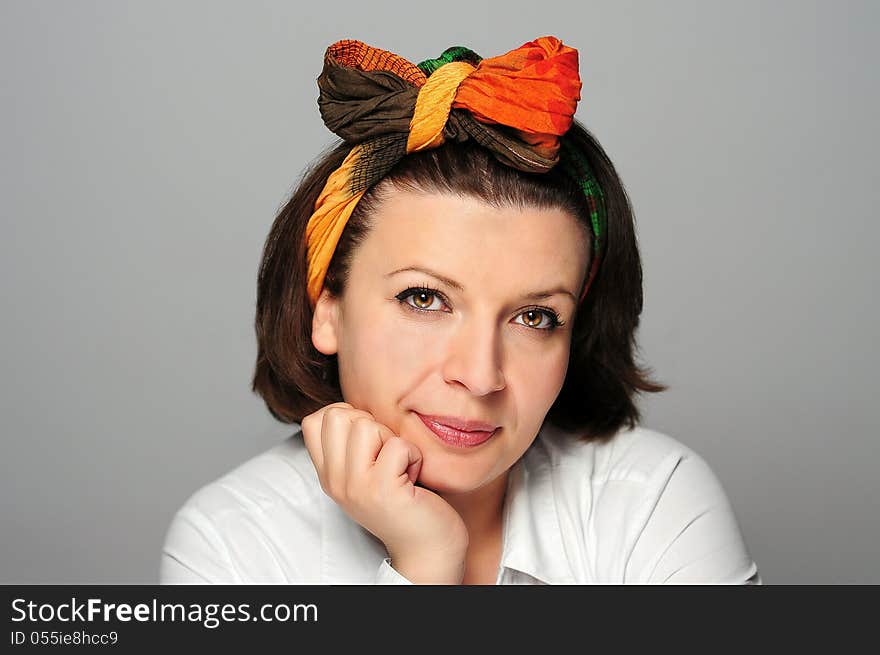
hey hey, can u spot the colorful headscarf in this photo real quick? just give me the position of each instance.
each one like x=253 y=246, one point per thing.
x=517 y=105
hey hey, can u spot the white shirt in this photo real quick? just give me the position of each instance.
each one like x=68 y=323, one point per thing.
x=640 y=508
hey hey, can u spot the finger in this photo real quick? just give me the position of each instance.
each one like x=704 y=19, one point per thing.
x=415 y=458
x=335 y=430
x=398 y=457
x=364 y=443
x=312 y=430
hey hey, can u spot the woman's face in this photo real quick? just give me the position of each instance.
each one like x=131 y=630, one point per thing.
x=478 y=345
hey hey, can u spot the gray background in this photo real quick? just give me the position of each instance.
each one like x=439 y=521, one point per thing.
x=146 y=148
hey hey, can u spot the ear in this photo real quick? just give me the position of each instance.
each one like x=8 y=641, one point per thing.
x=325 y=324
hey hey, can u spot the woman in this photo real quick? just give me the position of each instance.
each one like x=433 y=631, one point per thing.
x=447 y=306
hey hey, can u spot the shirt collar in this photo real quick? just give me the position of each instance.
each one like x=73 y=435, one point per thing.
x=533 y=540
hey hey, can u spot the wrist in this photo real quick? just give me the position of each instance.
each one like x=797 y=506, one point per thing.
x=430 y=569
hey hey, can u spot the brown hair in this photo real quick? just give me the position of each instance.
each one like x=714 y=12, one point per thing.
x=597 y=398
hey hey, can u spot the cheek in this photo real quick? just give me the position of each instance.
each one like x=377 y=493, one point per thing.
x=538 y=377
x=383 y=355
x=401 y=347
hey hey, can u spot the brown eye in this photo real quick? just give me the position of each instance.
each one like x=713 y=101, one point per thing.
x=423 y=300
x=533 y=318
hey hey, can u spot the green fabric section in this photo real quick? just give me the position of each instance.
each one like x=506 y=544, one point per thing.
x=455 y=53
x=577 y=167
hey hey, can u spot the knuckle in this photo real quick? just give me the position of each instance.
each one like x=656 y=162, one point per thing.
x=339 y=409
x=362 y=423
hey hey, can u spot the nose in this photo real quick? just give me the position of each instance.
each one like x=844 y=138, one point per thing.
x=474 y=358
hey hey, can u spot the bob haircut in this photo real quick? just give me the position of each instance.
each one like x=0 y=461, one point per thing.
x=597 y=397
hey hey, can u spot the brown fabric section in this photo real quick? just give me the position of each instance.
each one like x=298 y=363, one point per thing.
x=358 y=105
x=498 y=139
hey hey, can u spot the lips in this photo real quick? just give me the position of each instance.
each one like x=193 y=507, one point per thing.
x=458 y=437
x=461 y=424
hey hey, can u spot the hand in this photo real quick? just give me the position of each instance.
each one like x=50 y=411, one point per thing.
x=370 y=473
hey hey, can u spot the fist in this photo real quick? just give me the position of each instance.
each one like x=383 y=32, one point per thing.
x=371 y=473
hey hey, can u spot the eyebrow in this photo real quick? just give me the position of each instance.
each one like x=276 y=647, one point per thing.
x=534 y=295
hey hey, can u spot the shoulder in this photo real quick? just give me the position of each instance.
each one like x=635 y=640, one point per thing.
x=634 y=467
x=637 y=455
x=648 y=507
x=245 y=524
x=281 y=475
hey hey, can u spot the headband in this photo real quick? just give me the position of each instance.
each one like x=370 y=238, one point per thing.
x=517 y=105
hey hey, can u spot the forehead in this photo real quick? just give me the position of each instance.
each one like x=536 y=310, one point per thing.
x=468 y=239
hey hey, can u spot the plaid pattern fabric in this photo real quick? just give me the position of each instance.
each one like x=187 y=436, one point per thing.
x=578 y=169
x=518 y=106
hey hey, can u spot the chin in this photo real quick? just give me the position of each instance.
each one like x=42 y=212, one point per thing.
x=448 y=479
